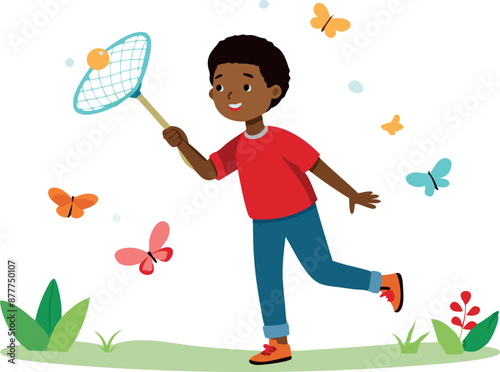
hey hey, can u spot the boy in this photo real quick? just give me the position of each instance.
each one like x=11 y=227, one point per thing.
x=249 y=75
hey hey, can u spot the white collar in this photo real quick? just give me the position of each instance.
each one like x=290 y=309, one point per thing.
x=258 y=135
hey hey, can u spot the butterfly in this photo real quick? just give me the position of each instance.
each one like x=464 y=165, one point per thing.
x=134 y=256
x=431 y=180
x=71 y=206
x=394 y=126
x=327 y=23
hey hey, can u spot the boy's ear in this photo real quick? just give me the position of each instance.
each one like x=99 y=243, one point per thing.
x=211 y=93
x=276 y=91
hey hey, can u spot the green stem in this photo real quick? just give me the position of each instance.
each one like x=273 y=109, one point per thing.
x=463 y=322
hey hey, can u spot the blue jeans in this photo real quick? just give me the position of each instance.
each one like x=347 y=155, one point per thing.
x=305 y=234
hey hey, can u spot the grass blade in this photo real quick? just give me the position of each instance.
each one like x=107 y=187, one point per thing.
x=112 y=337
x=102 y=340
x=420 y=339
x=399 y=342
x=408 y=339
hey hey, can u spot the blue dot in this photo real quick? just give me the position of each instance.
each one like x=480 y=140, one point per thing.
x=355 y=86
x=264 y=4
x=70 y=62
x=117 y=217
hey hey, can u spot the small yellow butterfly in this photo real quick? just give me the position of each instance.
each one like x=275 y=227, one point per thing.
x=394 y=126
x=327 y=23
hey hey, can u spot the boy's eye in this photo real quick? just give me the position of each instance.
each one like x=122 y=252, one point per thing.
x=247 y=88
x=219 y=88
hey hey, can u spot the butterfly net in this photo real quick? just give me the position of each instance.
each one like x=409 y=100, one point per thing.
x=103 y=89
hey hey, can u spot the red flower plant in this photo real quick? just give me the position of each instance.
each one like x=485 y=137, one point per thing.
x=455 y=306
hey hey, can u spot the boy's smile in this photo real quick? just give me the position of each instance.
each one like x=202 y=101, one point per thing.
x=240 y=93
x=235 y=106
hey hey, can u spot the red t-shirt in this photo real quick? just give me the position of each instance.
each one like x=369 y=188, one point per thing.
x=272 y=171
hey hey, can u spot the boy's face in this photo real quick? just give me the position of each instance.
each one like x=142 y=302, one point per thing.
x=240 y=92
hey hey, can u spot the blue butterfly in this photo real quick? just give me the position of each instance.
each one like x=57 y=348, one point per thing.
x=431 y=180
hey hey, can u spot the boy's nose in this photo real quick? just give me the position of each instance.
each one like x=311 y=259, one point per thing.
x=229 y=95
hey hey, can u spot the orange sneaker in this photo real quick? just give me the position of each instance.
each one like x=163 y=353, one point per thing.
x=273 y=353
x=392 y=289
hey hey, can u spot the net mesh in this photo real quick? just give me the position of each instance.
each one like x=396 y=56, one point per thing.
x=106 y=88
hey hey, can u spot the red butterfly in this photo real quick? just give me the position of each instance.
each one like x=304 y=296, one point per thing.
x=134 y=256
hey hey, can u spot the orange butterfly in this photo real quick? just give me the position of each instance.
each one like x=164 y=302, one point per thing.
x=394 y=126
x=328 y=24
x=71 y=206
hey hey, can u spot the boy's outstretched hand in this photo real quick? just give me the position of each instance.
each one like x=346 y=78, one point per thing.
x=324 y=172
x=366 y=199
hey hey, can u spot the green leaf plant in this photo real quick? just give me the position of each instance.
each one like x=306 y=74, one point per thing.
x=49 y=331
x=479 y=334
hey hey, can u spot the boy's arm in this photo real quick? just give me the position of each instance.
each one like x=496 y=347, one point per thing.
x=177 y=138
x=326 y=174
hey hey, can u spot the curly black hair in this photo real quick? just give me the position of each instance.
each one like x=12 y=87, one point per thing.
x=256 y=51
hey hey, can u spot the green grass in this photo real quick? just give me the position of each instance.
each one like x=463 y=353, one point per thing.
x=410 y=347
x=166 y=356
x=106 y=346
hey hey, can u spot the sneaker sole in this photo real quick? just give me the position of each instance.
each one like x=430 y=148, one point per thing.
x=401 y=288
x=272 y=361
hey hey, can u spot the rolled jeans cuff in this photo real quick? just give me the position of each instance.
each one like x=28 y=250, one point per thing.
x=375 y=282
x=276 y=331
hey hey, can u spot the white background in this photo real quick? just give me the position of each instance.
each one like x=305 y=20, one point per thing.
x=418 y=59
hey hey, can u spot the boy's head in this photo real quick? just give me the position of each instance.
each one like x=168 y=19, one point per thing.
x=249 y=75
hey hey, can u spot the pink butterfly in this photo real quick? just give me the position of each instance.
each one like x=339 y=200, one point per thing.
x=134 y=256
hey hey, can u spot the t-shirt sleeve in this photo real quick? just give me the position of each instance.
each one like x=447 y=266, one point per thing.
x=225 y=159
x=298 y=152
